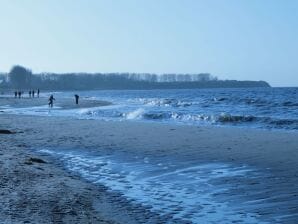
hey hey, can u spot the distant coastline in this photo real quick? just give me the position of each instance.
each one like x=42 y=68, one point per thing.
x=20 y=77
x=81 y=83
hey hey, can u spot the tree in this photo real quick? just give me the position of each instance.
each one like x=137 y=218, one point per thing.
x=20 y=77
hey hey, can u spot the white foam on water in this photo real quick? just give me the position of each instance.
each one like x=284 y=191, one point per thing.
x=136 y=114
x=37 y=110
x=45 y=110
x=179 y=191
x=87 y=111
x=5 y=107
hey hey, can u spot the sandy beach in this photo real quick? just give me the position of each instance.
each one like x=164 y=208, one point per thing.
x=37 y=188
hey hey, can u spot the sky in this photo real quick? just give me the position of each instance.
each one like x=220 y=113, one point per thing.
x=231 y=39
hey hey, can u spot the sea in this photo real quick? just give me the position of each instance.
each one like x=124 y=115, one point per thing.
x=265 y=108
x=177 y=190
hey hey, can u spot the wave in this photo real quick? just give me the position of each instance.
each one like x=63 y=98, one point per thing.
x=99 y=113
x=188 y=118
x=285 y=123
x=164 y=102
x=262 y=102
x=224 y=117
x=136 y=114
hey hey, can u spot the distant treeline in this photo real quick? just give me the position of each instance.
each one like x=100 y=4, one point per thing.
x=22 y=78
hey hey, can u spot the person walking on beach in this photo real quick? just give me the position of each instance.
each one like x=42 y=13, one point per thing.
x=33 y=92
x=38 y=93
x=15 y=94
x=77 y=98
x=51 y=101
x=19 y=94
x=29 y=93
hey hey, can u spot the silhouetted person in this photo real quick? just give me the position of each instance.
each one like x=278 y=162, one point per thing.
x=19 y=94
x=51 y=101
x=77 y=98
x=33 y=92
x=15 y=94
x=30 y=93
x=38 y=93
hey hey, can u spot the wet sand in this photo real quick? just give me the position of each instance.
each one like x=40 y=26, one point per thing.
x=62 y=103
x=45 y=192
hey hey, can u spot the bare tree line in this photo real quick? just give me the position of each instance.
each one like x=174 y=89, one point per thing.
x=21 y=77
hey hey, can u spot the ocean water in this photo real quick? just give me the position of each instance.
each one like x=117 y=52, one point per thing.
x=269 y=108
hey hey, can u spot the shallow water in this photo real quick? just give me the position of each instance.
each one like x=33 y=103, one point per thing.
x=191 y=192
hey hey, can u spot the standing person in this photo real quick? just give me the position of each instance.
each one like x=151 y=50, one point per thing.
x=15 y=94
x=77 y=98
x=51 y=101
x=33 y=92
x=19 y=94
x=29 y=93
x=38 y=93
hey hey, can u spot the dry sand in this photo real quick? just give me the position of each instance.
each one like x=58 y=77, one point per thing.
x=33 y=192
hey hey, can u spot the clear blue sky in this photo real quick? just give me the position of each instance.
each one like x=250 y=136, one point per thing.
x=232 y=39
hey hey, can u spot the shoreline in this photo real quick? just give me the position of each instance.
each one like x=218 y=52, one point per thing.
x=61 y=103
x=276 y=151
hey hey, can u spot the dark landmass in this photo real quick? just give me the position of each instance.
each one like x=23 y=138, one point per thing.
x=22 y=78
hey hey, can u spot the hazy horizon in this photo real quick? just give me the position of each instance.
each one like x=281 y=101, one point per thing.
x=252 y=40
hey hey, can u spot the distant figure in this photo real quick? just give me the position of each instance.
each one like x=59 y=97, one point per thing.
x=29 y=93
x=15 y=94
x=51 y=99
x=77 y=98
x=38 y=93
x=33 y=92
x=19 y=94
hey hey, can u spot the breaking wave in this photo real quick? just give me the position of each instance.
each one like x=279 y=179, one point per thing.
x=136 y=114
x=164 y=102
